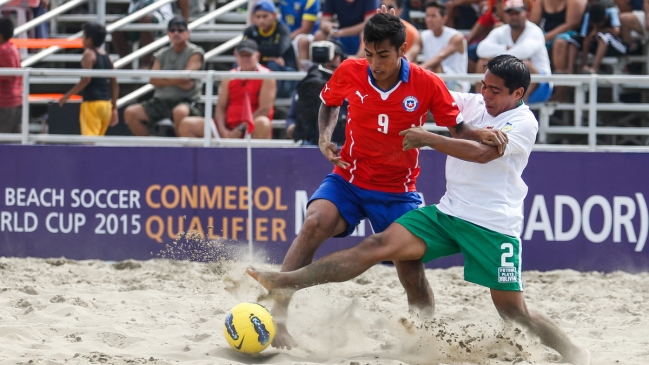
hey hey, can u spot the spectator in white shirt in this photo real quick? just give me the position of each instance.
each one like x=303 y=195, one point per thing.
x=523 y=39
x=444 y=48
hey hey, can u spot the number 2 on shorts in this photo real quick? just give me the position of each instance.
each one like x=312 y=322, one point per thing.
x=509 y=253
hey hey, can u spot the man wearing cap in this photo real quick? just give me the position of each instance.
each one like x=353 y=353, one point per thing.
x=173 y=98
x=274 y=41
x=523 y=39
x=229 y=112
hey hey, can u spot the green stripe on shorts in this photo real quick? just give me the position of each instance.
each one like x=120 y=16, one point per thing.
x=491 y=259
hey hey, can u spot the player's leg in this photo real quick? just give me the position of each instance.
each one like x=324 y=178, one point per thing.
x=511 y=307
x=382 y=210
x=494 y=260
x=394 y=244
x=330 y=212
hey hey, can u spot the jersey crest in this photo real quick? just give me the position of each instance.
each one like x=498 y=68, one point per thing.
x=410 y=103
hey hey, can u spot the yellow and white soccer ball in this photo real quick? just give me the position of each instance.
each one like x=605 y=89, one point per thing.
x=249 y=328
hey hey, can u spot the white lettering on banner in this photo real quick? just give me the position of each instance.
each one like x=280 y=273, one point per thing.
x=12 y=223
x=585 y=219
x=73 y=222
x=619 y=216
x=573 y=204
x=539 y=208
x=644 y=222
x=114 y=199
x=22 y=198
x=301 y=200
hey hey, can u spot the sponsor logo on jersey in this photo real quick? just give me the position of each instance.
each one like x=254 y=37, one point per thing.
x=508 y=127
x=507 y=274
x=410 y=103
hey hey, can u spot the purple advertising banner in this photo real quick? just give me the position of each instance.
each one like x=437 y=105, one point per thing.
x=585 y=211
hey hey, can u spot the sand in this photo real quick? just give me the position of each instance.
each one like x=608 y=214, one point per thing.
x=58 y=311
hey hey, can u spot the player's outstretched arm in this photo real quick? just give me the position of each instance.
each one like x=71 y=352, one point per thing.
x=491 y=137
x=327 y=119
x=467 y=150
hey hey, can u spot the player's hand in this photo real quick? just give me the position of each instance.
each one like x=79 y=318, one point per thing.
x=384 y=9
x=415 y=137
x=63 y=100
x=114 y=119
x=330 y=151
x=495 y=138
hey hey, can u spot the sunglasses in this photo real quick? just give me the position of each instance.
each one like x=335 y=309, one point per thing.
x=174 y=30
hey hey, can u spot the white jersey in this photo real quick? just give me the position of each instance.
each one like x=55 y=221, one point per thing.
x=457 y=63
x=491 y=195
x=530 y=45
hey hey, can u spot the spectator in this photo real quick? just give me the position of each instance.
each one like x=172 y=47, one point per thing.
x=301 y=17
x=229 y=109
x=412 y=34
x=274 y=41
x=121 y=39
x=635 y=21
x=523 y=39
x=173 y=99
x=351 y=16
x=627 y=6
x=302 y=119
x=99 y=106
x=42 y=30
x=444 y=48
x=462 y=14
x=11 y=102
x=601 y=28
x=191 y=7
x=559 y=20
x=492 y=13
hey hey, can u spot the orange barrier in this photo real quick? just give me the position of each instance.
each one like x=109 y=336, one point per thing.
x=52 y=97
x=46 y=42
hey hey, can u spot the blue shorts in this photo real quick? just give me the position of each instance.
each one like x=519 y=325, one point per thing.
x=354 y=203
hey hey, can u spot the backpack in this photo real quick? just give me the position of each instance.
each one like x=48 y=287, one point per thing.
x=308 y=106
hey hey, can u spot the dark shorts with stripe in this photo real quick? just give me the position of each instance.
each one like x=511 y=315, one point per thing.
x=616 y=46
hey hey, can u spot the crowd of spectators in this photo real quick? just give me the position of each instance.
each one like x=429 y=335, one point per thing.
x=456 y=37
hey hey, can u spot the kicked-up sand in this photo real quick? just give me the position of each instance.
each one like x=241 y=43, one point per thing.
x=59 y=311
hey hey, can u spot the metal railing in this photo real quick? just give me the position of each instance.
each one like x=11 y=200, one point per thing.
x=47 y=16
x=584 y=84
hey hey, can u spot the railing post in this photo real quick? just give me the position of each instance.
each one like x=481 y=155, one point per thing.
x=592 y=112
x=579 y=105
x=101 y=12
x=25 y=116
x=209 y=86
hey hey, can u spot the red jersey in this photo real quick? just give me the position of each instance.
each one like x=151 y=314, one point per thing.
x=373 y=146
x=11 y=87
x=237 y=89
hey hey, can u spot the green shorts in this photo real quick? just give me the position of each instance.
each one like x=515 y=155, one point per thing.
x=491 y=259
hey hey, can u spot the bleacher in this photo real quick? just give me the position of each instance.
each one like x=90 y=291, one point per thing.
x=218 y=29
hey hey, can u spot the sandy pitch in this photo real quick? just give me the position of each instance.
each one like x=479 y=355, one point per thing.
x=59 y=311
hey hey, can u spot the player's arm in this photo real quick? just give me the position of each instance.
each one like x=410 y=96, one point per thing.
x=327 y=119
x=456 y=44
x=490 y=137
x=463 y=149
x=87 y=62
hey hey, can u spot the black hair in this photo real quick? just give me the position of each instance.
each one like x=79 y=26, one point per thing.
x=597 y=13
x=96 y=32
x=512 y=70
x=382 y=26
x=440 y=7
x=6 y=28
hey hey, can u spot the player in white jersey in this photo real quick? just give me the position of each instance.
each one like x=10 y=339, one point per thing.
x=480 y=215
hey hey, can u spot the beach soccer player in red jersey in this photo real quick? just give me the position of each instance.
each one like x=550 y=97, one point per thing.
x=373 y=176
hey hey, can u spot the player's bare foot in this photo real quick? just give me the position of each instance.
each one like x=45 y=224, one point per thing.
x=283 y=339
x=580 y=356
x=267 y=279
